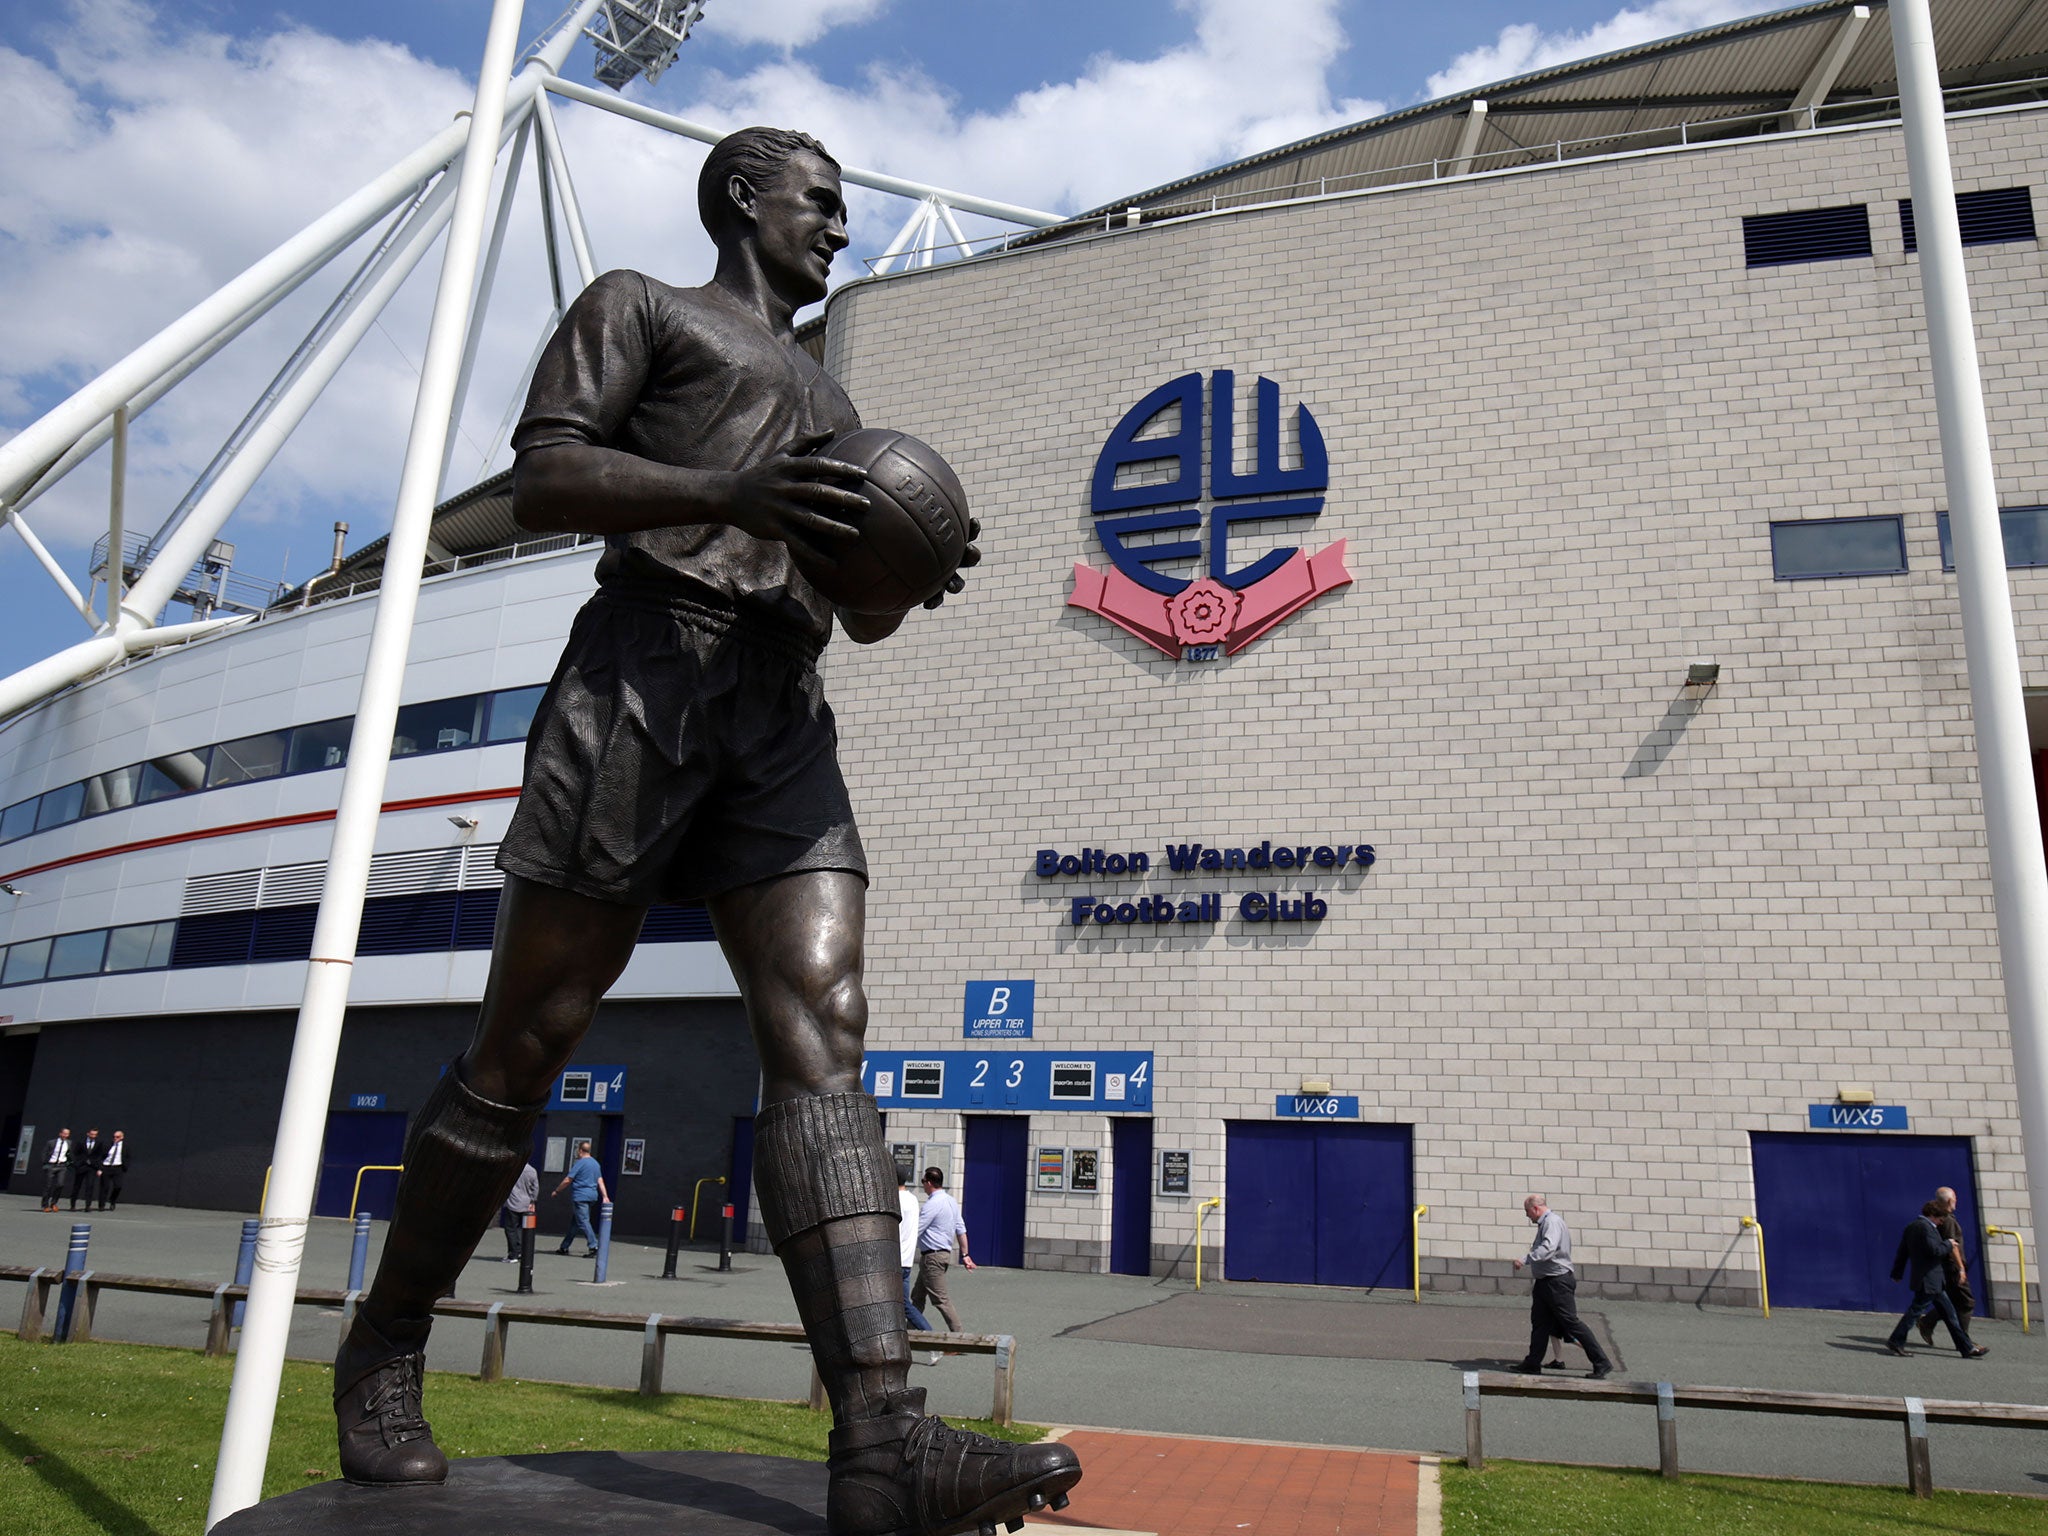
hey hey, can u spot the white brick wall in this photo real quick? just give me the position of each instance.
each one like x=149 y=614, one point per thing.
x=1561 y=416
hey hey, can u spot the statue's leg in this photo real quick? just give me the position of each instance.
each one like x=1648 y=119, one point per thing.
x=553 y=956
x=828 y=1199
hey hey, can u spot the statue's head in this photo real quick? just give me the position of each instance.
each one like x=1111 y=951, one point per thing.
x=779 y=189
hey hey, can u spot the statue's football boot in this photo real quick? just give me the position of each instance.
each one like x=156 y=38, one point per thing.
x=383 y=1437
x=907 y=1474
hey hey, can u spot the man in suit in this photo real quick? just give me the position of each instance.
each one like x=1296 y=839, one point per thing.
x=56 y=1163
x=1921 y=1262
x=85 y=1167
x=1955 y=1268
x=113 y=1167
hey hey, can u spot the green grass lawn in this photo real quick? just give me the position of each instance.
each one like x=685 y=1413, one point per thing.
x=1600 y=1501
x=120 y=1438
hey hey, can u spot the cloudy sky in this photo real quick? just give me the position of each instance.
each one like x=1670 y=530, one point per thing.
x=155 y=150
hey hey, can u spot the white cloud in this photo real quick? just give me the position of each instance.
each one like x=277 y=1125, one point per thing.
x=1526 y=46
x=789 y=23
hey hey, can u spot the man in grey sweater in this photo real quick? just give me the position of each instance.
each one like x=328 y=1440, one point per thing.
x=512 y=1215
x=1554 y=1298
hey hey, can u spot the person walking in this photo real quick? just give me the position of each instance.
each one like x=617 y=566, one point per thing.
x=908 y=1213
x=113 y=1167
x=1921 y=1263
x=512 y=1214
x=56 y=1164
x=585 y=1183
x=1554 y=1297
x=1955 y=1268
x=85 y=1168
x=938 y=1227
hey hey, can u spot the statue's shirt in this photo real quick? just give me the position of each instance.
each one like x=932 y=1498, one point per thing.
x=691 y=377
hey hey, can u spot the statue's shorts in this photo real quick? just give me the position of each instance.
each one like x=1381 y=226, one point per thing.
x=679 y=752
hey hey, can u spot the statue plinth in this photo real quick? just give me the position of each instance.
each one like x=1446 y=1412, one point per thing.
x=569 y=1493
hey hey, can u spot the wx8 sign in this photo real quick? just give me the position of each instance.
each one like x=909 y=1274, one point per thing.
x=1224 y=607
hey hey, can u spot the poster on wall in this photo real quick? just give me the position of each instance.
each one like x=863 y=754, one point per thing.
x=557 y=1155
x=1082 y=1170
x=634 y=1162
x=1052 y=1167
x=25 y=1149
x=1176 y=1173
x=904 y=1155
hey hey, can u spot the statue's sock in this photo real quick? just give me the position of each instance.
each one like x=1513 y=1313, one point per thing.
x=828 y=1199
x=461 y=1160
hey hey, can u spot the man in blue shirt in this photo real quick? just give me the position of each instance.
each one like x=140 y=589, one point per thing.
x=585 y=1183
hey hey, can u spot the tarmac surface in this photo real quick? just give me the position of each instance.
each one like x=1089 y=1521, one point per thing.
x=1247 y=1361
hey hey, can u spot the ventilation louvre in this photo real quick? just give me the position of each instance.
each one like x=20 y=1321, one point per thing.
x=1806 y=234
x=1990 y=217
x=231 y=892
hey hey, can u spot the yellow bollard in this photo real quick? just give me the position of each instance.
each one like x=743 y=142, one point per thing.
x=357 y=1193
x=1763 y=1276
x=1415 y=1246
x=2026 y=1321
x=697 y=1191
x=1212 y=1201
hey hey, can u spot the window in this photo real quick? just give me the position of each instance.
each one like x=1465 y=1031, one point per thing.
x=2026 y=537
x=140 y=946
x=1990 y=217
x=60 y=806
x=512 y=713
x=112 y=790
x=247 y=758
x=25 y=962
x=179 y=774
x=1806 y=234
x=1838 y=546
x=77 y=954
x=18 y=820
x=324 y=745
x=436 y=727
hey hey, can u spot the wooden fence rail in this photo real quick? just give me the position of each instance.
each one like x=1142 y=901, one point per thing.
x=655 y=1328
x=1915 y=1413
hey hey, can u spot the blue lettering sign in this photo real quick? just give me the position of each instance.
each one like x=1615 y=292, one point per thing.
x=602 y=1089
x=366 y=1101
x=1109 y=1082
x=1263 y=492
x=999 y=1010
x=1316 y=1106
x=1856 y=1117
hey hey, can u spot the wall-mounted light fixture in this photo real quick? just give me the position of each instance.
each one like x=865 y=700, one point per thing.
x=1703 y=674
x=1315 y=1085
x=467 y=823
x=1854 y=1093
x=11 y=889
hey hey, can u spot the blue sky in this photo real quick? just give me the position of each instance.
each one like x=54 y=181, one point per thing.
x=156 y=150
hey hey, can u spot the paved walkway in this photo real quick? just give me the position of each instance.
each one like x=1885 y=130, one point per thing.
x=1141 y=1485
x=1407 y=1398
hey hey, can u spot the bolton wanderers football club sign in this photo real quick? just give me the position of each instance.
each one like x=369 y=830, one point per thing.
x=1225 y=608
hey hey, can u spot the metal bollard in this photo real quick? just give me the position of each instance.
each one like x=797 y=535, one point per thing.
x=676 y=1217
x=725 y=1237
x=245 y=1264
x=604 y=1241
x=74 y=1263
x=526 y=1231
x=359 y=1251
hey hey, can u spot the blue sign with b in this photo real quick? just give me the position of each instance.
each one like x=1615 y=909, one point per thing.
x=999 y=1010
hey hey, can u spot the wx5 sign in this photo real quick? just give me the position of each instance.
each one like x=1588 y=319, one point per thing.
x=1225 y=607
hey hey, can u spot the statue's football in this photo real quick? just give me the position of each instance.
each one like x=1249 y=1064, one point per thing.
x=914 y=531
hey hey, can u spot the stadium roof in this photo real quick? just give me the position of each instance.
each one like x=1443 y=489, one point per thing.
x=1817 y=65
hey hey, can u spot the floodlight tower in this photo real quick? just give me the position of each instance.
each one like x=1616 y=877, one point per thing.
x=640 y=39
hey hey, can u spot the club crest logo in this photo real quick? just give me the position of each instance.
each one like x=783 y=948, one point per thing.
x=1225 y=608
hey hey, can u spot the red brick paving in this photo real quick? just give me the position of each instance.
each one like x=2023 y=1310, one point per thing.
x=1227 y=1488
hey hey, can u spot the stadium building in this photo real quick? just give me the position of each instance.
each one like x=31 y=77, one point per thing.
x=1465 y=696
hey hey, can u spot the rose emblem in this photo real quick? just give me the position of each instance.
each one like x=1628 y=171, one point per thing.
x=1203 y=612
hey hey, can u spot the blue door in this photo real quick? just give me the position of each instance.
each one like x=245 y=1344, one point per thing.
x=1317 y=1204
x=1833 y=1204
x=739 y=1176
x=992 y=1188
x=1130 y=1197
x=359 y=1138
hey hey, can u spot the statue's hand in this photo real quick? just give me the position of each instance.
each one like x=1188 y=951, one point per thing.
x=811 y=504
x=971 y=556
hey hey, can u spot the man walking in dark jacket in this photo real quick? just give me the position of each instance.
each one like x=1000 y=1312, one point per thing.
x=1921 y=1262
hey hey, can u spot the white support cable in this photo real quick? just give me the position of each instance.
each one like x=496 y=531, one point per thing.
x=309 y=1082
x=117 y=510
x=508 y=192
x=1468 y=137
x=1826 y=70
x=886 y=262
x=31 y=684
x=927 y=233
x=1008 y=213
x=48 y=562
x=157 y=583
x=960 y=242
x=572 y=210
x=2012 y=818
